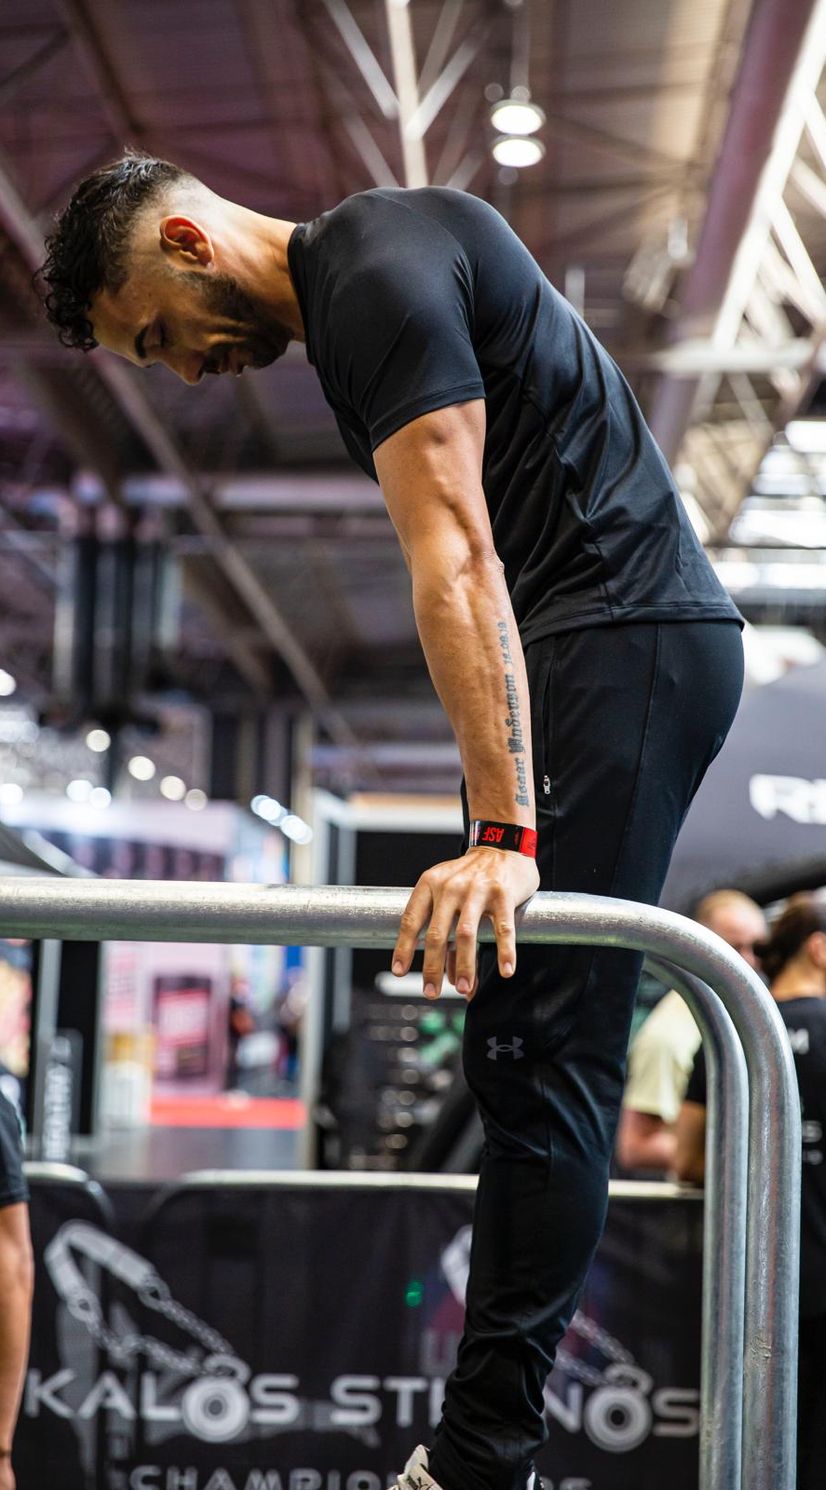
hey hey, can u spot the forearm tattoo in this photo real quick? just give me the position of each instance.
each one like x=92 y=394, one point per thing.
x=513 y=721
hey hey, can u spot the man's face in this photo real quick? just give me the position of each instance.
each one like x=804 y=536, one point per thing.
x=741 y=927
x=195 y=320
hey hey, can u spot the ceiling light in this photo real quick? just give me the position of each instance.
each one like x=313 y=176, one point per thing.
x=99 y=796
x=516 y=116
x=807 y=435
x=294 y=827
x=79 y=790
x=173 y=788
x=11 y=794
x=518 y=151
x=196 y=799
x=98 y=740
x=141 y=767
x=267 y=808
x=8 y=684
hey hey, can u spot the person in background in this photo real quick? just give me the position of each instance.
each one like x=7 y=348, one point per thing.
x=240 y=1023
x=661 y=1055
x=794 y=959
x=16 y=1282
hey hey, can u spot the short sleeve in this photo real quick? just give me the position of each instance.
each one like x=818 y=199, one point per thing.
x=696 y=1089
x=399 y=339
x=654 y=1083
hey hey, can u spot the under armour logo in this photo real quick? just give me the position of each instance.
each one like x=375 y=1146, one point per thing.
x=514 y=1049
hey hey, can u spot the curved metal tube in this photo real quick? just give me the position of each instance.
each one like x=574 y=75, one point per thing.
x=724 y=1231
x=328 y=916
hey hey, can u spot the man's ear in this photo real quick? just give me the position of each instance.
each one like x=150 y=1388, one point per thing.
x=185 y=238
x=816 y=948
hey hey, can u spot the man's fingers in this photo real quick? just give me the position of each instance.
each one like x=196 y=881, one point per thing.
x=467 y=931
x=436 y=944
x=504 y=930
x=414 y=917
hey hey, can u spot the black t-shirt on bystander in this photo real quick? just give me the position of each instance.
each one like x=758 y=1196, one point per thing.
x=805 y=1021
x=415 y=300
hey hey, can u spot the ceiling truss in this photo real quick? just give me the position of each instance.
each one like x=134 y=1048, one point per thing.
x=767 y=328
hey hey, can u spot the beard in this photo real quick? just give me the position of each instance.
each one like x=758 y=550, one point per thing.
x=261 y=339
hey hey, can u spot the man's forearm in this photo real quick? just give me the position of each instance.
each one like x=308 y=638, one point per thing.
x=16 y=1280
x=474 y=653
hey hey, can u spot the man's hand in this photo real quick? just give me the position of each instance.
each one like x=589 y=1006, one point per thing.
x=7 y=1480
x=458 y=893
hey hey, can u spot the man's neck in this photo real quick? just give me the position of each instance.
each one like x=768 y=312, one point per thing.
x=261 y=245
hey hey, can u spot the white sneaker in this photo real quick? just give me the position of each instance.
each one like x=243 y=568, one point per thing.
x=416 y=1476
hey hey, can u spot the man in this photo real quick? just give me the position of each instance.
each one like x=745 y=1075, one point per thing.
x=794 y=960
x=16 y=1281
x=588 y=660
x=662 y=1054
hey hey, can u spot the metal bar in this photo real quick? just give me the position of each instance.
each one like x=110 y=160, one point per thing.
x=342 y=1179
x=363 y=57
x=724 y=1259
x=122 y=380
x=781 y=61
x=19 y=76
x=332 y=915
x=103 y=75
x=436 y=97
x=440 y=43
x=465 y=171
x=369 y=152
x=403 y=54
x=816 y=128
x=810 y=185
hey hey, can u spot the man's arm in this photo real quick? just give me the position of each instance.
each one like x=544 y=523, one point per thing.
x=16 y=1283
x=690 y=1156
x=644 y=1141
x=431 y=476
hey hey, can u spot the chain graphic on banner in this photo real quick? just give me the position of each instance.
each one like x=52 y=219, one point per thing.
x=136 y=1273
x=621 y=1368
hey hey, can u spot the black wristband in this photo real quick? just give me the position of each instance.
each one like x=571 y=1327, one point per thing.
x=519 y=840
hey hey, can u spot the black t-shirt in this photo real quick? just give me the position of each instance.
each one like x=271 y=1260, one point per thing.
x=805 y=1020
x=414 y=300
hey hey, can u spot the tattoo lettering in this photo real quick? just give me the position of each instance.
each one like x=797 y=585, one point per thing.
x=513 y=721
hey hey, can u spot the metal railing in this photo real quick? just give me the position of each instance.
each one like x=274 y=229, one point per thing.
x=752 y=1226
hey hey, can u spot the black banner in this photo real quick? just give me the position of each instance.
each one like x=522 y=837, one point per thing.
x=298 y=1338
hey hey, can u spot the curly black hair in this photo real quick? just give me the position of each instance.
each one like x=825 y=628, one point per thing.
x=804 y=915
x=88 y=249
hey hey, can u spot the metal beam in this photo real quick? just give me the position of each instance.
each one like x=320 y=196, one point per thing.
x=365 y=60
x=440 y=43
x=403 y=54
x=727 y=253
x=242 y=577
x=265 y=25
x=248 y=663
x=437 y=95
x=102 y=73
x=19 y=76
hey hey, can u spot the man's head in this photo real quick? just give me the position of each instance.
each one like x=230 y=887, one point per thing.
x=736 y=918
x=796 y=946
x=147 y=261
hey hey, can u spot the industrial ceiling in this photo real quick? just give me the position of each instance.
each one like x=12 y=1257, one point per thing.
x=680 y=203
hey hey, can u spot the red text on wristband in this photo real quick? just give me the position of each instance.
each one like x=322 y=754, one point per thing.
x=503 y=835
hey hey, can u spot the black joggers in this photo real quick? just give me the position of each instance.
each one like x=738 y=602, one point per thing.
x=625 y=722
